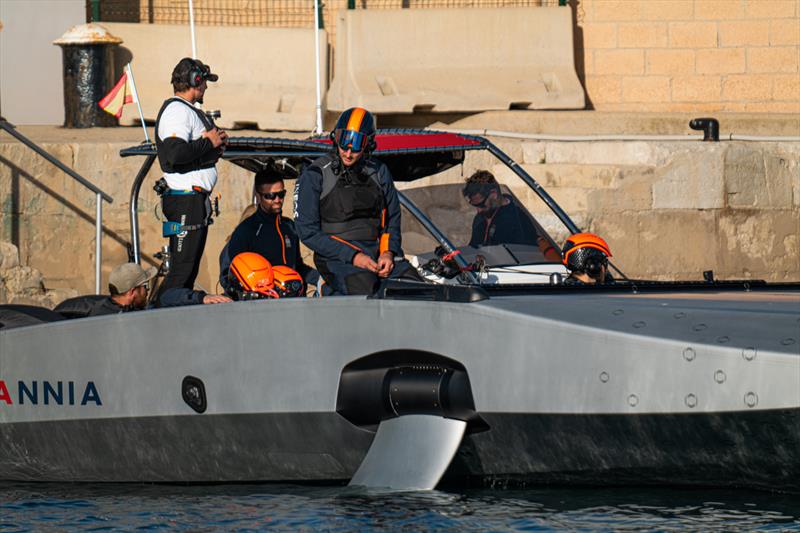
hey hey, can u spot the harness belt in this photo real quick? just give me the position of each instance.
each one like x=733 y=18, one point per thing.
x=169 y=228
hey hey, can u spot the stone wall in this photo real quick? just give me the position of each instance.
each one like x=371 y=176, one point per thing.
x=689 y=55
x=668 y=209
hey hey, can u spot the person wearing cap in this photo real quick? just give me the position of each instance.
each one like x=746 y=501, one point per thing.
x=347 y=211
x=128 y=285
x=189 y=146
x=586 y=256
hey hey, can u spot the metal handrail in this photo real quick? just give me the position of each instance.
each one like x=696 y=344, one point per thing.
x=100 y=195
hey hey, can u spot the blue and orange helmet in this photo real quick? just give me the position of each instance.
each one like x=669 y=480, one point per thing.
x=355 y=130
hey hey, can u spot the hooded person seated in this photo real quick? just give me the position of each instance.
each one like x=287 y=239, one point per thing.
x=586 y=256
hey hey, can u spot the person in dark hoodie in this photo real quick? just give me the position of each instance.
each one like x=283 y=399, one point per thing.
x=266 y=232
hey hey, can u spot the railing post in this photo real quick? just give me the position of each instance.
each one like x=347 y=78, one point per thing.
x=98 y=242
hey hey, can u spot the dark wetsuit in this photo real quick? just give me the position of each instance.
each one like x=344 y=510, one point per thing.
x=508 y=224
x=342 y=211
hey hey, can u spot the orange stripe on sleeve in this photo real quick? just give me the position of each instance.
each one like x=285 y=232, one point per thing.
x=384 y=245
x=353 y=246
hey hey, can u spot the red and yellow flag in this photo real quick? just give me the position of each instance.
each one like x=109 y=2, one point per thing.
x=120 y=95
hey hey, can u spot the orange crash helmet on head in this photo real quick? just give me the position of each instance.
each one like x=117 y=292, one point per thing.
x=585 y=252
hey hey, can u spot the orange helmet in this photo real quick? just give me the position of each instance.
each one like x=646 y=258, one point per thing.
x=584 y=250
x=288 y=282
x=254 y=274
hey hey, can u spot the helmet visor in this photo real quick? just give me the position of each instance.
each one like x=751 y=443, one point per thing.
x=354 y=140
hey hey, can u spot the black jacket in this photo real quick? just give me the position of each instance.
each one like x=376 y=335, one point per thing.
x=271 y=236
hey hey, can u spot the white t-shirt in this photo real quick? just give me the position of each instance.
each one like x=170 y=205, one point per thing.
x=178 y=120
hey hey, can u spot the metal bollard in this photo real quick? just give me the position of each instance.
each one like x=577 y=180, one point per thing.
x=88 y=74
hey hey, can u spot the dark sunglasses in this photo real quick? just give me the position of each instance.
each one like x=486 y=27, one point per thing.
x=479 y=205
x=273 y=195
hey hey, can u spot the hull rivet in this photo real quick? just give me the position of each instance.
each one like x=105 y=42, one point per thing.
x=633 y=400
x=751 y=399
x=719 y=376
x=689 y=354
x=618 y=312
x=699 y=327
x=639 y=324
x=749 y=353
x=679 y=315
x=691 y=401
x=723 y=339
x=604 y=377
x=788 y=341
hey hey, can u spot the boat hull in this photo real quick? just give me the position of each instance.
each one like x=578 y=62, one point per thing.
x=578 y=388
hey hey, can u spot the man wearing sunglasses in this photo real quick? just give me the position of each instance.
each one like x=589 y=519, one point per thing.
x=348 y=213
x=267 y=232
x=498 y=219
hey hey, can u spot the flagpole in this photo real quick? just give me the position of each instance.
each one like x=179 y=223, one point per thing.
x=136 y=99
x=316 y=60
x=191 y=25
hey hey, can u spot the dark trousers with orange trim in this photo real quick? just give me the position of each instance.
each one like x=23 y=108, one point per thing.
x=347 y=279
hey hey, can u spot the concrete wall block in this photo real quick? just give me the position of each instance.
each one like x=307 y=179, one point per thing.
x=696 y=88
x=599 y=35
x=667 y=10
x=617 y=10
x=635 y=195
x=9 y=256
x=533 y=152
x=691 y=180
x=604 y=89
x=786 y=87
x=717 y=10
x=784 y=32
x=747 y=87
x=23 y=279
x=605 y=153
x=721 y=61
x=646 y=89
x=566 y=175
x=670 y=61
x=771 y=9
x=782 y=59
x=760 y=244
x=672 y=244
x=743 y=33
x=619 y=62
x=642 y=35
x=692 y=34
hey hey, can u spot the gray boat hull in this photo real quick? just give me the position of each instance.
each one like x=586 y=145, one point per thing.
x=581 y=387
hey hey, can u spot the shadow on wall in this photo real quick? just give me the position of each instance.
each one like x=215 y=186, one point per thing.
x=15 y=210
x=577 y=45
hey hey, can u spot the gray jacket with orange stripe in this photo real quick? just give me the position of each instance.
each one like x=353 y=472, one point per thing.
x=377 y=226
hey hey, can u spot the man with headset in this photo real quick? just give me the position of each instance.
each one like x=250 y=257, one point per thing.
x=189 y=145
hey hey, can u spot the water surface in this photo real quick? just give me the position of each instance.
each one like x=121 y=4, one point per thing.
x=91 y=507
